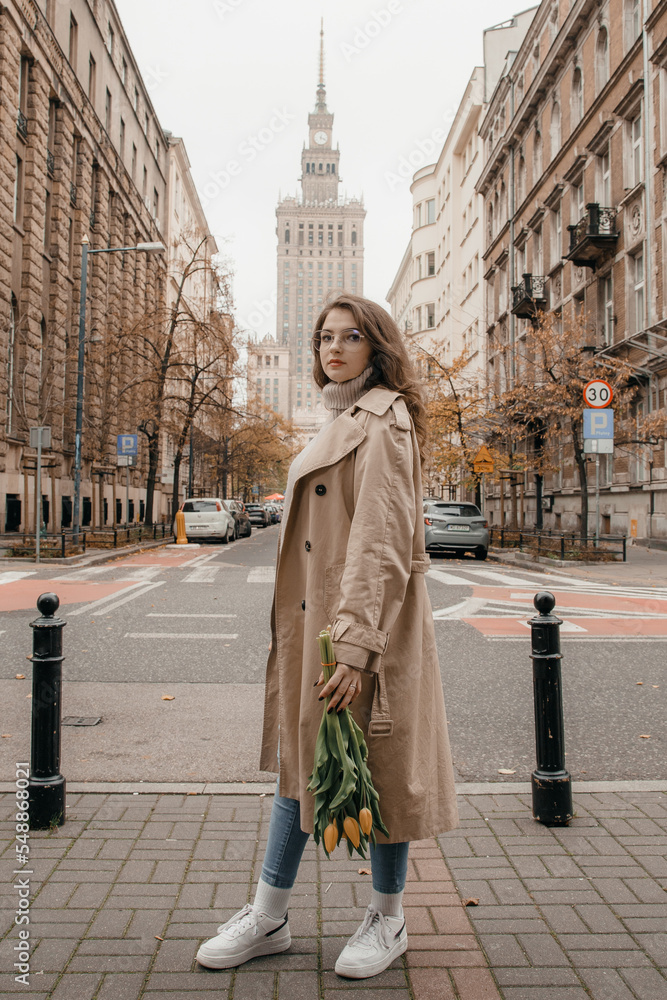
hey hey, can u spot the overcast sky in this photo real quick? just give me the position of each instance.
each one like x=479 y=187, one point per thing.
x=236 y=79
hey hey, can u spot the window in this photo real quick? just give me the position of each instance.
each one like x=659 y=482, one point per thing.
x=156 y=204
x=121 y=143
x=537 y=155
x=577 y=103
x=287 y=233
x=123 y=71
x=301 y=234
x=320 y=236
x=144 y=184
x=633 y=21
x=430 y=211
x=47 y=221
x=601 y=59
x=340 y=236
x=604 y=178
x=354 y=237
x=92 y=74
x=578 y=202
x=635 y=150
x=430 y=264
x=145 y=123
x=135 y=99
x=555 y=129
x=73 y=41
x=111 y=37
x=430 y=315
x=107 y=111
x=607 y=310
x=133 y=168
x=538 y=260
x=521 y=185
x=418 y=262
x=11 y=361
x=557 y=233
x=638 y=291
x=18 y=191
x=330 y=236
x=311 y=235
x=418 y=216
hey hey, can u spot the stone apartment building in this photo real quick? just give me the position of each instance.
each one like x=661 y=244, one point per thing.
x=83 y=154
x=574 y=183
x=269 y=373
x=436 y=295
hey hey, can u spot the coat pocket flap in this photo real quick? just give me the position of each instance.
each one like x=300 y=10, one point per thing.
x=360 y=635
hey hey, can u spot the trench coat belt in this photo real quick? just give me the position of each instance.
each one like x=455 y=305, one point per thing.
x=381 y=723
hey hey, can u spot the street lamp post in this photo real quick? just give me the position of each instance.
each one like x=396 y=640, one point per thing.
x=85 y=253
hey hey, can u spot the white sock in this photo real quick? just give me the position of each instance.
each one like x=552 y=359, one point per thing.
x=271 y=899
x=388 y=903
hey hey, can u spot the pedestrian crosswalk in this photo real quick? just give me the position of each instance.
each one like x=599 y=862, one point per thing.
x=474 y=576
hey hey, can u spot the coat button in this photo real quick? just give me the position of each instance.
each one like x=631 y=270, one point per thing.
x=307 y=546
x=320 y=490
x=303 y=605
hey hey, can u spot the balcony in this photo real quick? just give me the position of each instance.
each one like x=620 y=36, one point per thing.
x=593 y=237
x=22 y=124
x=50 y=164
x=530 y=296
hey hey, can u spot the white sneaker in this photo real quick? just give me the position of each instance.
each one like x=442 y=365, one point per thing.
x=247 y=934
x=374 y=946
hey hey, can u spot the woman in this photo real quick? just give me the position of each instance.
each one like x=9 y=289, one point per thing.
x=352 y=556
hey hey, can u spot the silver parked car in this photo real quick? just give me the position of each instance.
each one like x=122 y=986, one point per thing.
x=451 y=526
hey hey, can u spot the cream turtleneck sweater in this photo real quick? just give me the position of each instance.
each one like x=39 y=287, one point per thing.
x=337 y=397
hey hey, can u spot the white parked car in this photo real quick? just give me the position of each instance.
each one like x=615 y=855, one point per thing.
x=207 y=517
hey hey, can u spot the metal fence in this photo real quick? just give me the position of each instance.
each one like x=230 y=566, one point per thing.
x=62 y=544
x=560 y=545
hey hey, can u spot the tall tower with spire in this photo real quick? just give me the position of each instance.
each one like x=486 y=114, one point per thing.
x=320 y=253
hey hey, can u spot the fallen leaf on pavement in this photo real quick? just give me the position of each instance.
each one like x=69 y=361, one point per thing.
x=20 y=677
x=639 y=683
x=471 y=901
x=158 y=938
x=644 y=736
x=655 y=685
x=28 y=696
x=364 y=871
x=505 y=770
x=168 y=697
x=6 y=736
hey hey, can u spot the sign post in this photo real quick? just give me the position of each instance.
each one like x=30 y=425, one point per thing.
x=40 y=437
x=482 y=464
x=598 y=433
x=127 y=449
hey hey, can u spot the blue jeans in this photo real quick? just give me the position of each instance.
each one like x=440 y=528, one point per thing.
x=286 y=843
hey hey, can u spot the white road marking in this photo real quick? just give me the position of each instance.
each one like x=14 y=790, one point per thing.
x=449 y=578
x=503 y=577
x=159 y=614
x=198 y=560
x=464 y=609
x=202 y=574
x=180 y=635
x=262 y=574
x=11 y=576
x=102 y=607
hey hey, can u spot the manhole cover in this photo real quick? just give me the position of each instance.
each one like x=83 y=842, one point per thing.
x=78 y=720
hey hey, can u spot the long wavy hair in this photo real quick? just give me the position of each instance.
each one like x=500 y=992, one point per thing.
x=392 y=367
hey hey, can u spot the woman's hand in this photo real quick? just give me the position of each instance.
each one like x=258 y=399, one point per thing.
x=344 y=687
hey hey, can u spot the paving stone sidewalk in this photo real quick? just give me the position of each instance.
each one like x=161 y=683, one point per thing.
x=124 y=892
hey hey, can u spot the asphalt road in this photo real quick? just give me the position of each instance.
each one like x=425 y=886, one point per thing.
x=143 y=628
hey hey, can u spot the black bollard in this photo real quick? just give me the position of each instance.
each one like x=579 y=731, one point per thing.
x=551 y=782
x=46 y=786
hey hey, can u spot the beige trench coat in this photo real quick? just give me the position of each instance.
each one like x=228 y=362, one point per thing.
x=352 y=556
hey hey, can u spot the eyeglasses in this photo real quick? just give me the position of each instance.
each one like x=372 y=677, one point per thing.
x=351 y=340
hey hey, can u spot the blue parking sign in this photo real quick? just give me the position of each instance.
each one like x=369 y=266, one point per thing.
x=599 y=423
x=128 y=444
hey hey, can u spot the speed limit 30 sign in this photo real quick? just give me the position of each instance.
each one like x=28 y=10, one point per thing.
x=598 y=393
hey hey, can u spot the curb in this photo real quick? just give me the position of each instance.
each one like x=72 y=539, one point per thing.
x=268 y=787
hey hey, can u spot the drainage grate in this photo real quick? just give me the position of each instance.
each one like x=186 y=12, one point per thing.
x=78 y=720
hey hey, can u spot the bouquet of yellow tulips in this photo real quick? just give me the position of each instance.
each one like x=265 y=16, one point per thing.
x=346 y=803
